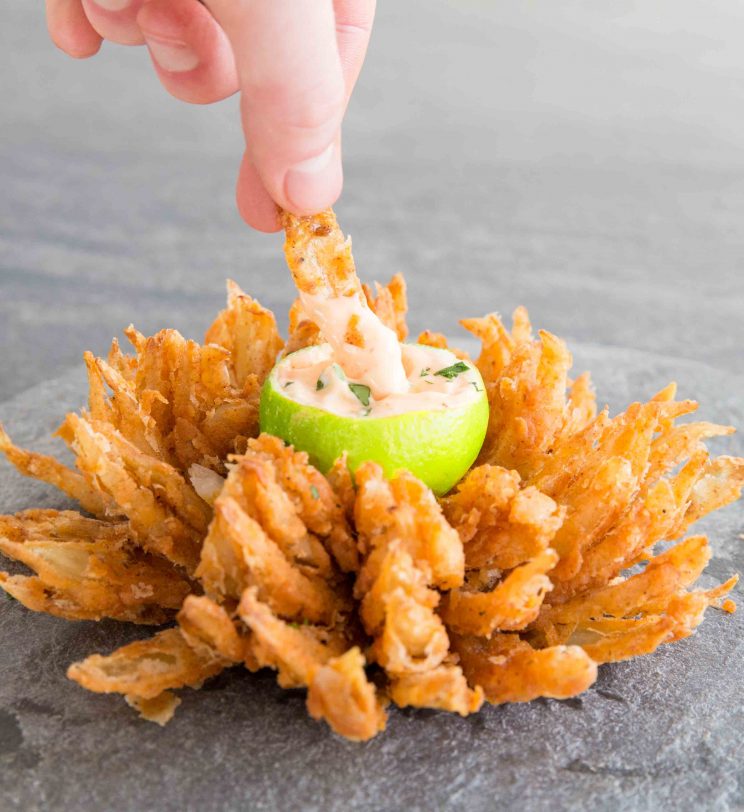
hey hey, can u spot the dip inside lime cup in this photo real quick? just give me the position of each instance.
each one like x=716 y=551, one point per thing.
x=435 y=432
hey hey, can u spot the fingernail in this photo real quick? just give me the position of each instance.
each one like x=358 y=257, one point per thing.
x=173 y=56
x=314 y=184
x=113 y=5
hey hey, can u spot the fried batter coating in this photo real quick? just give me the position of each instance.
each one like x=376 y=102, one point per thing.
x=399 y=612
x=512 y=605
x=254 y=481
x=408 y=546
x=606 y=477
x=48 y=469
x=182 y=402
x=501 y=523
x=166 y=515
x=249 y=333
x=319 y=256
x=123 y=410
x=203 y=622
x=237 y=553
x=647 y=593
x=88 y=569
x=260 y=537
x=342 y=482
x=615 y=639
x=295 y=649
x=390 y=304
x=526 y=382
x=313 y=497
x=159 y=709
x=194 y=397
x=720 y=485
x=510 y=670
x=339 y=691
x=404 y=509
x=636 y=615
x=148 y=667
x=443 y=688
x=341 y=694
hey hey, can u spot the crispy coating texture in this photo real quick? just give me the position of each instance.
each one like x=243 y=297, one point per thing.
x=303 y=332
x=205 y=623
x=408 y=547
x=88 y=569
x=302 y=643
x=341 y=694
x=399 y=612
x=249 y=333
x=511 y=605
x=159 y=709
x=441 y=688
x=319 y=256
x=390 y=304
x=635 y=615
x=526 y=381
x=147 y=668
x=510 y=670
x=339 y=691
x=320 y=503
x=48 y=469
x=404 y=509
x=261 y=536
x=501 y=522
x=165 y=514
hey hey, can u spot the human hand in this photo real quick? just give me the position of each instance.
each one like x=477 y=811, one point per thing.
x=295 y=63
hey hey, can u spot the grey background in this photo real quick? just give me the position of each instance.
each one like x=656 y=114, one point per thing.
x=582 y=158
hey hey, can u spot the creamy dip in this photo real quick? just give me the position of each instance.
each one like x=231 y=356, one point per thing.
x=345 y=319
x=434 y=379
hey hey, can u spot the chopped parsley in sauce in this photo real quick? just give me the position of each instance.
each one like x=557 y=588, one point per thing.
x=361 y=392
x=453 y=371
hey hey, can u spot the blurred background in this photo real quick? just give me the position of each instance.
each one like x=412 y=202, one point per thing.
x=584 y=158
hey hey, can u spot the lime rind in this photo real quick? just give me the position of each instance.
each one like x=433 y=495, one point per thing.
x=436 y=445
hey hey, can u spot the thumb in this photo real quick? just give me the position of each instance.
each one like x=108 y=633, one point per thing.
x=293 y=96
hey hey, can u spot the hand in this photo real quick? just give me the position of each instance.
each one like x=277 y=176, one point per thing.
x=294 y=62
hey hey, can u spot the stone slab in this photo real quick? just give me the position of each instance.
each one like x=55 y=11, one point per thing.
x=659 y=733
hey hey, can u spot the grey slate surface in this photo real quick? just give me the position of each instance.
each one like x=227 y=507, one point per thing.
x=662 y=732
x=584 y=159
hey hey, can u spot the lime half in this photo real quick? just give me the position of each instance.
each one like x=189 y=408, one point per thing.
x=436 y=445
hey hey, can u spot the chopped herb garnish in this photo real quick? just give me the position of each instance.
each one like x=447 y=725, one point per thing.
x=314 y=492
x=425 y=372
x=475 y=386
x=288 y=383
x=361 y=392
x=453 y=371
x=367 y=411
x=319 y=385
